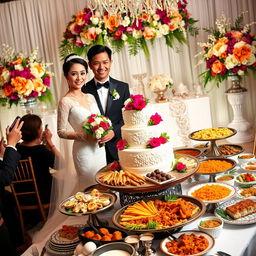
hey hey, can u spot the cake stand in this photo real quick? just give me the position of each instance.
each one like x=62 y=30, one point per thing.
x=213 y=175
x=92 y=215
x=213 y=150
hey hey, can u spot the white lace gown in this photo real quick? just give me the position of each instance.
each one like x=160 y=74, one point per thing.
x=87 y=155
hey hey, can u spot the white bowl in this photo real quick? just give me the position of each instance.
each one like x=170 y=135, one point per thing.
x=245 y=160
x=214 y=232
x=248 y=183
x=231 y=181
x=249 y=166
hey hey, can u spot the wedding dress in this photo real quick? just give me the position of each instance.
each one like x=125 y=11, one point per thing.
x=87 y=155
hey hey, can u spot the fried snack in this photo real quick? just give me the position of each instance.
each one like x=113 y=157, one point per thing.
x=117 y=235
x=246 y=192
x=121 y=178
x=69 y=232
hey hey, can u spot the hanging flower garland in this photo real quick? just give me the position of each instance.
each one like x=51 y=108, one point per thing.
x=89 y=27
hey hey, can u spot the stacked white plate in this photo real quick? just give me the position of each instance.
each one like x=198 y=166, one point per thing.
x=57 y=245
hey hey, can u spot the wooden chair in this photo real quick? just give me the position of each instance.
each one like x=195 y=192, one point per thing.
x=24 y=174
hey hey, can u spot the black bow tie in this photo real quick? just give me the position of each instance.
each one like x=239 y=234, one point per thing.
x=99 y=85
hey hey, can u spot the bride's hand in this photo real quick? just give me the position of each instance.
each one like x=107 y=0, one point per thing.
x=107 y=137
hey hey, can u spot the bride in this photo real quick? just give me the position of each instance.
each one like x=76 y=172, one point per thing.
x=74 y=108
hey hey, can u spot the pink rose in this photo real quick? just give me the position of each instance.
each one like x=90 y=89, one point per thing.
x=162 y=140
x=47 y=81
x=90 y=120
x=105 y=126
x=121 y=144
x=154 y=142
x=129 y=106
x=180 y=166
x=139 y=104
x=155 y=119
x=95 y=128
x=93 y=115
x=114 y=166
x=136 y=97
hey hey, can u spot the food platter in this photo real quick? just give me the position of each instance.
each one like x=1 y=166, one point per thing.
x=246 y=183
x=189 y=151
x=231 y=194
x=197 y=204
x=239 y=193
x=213 y=150
x=111 y=196
x=239 y=149
x=149 y=186
x=249 y=167
x=249 y=219
x=209 y=238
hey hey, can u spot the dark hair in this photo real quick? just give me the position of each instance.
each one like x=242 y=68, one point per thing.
x=96 y=49
x=31 y=126
x=68 y=64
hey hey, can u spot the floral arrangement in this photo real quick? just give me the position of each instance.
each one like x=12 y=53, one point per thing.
x=160 y=82
x=155 y=119
x=98 y=126
x=122 y=144
x=230 y=50
x=156 y=142
x=90 y=27
x=115 y=94
x=23 y=78
x=136 y=102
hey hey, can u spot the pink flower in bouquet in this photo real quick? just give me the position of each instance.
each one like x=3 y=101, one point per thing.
x=121 y=144
x=98 y=126
x=155 y=119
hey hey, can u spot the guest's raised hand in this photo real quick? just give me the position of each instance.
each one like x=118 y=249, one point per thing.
x=2 y=147
x=14 y=135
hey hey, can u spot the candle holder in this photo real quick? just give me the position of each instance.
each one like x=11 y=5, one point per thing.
x=146 y=240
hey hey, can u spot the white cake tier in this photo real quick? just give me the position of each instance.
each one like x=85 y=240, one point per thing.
x=138 y=118
x=147 y=160
x=139 y=137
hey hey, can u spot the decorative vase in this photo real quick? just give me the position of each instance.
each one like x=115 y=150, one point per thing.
x=160 y=95
x=236 y=98
x=29 y=105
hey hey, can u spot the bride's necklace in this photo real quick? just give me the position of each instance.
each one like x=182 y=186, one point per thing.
x=75 y=96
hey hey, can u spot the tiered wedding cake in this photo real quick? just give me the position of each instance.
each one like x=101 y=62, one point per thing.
x=144 y=146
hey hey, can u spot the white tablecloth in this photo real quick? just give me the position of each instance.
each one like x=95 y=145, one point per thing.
x=233 y=239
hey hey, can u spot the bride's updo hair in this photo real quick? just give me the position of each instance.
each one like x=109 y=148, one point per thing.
x=73 y=59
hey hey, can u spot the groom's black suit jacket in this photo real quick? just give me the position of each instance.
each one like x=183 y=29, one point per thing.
x=113 y=111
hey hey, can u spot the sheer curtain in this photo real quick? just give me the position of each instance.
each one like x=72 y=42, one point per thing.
x=28 y=24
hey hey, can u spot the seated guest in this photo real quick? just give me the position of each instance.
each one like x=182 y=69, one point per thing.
x=9 y=159
x=43 y=155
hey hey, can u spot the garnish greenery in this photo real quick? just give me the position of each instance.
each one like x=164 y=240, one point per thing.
x=223 y=214
x=170 y=198
x=134 y=226
x=151 y=225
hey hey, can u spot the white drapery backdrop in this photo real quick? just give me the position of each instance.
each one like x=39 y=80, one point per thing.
x=28 y=24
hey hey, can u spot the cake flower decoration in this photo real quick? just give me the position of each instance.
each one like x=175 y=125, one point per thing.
x=155 y=119
x=158 y=141
x=122 y=144
x=136 y=102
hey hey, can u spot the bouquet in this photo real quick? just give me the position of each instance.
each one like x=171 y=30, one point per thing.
x=92 y=26
x=160 y=82
x=136 y=102
x=98 y=126
x=23 y=78
x=230 y=50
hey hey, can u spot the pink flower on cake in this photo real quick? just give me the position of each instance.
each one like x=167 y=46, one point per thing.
x=155 y=119
x=136 y=102
x=156 y=142
x=162 y=139
x=121 y=144
x=114 y=166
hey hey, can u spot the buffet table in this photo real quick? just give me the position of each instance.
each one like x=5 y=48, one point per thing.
x=233 y=238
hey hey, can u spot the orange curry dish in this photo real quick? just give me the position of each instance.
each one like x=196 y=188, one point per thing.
x=163 y=214
x=187 y=245
x=214 y=166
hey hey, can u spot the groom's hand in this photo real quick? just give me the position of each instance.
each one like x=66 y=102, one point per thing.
x=107 y=137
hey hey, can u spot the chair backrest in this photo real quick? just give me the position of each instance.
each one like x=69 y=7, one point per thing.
x=24 y=174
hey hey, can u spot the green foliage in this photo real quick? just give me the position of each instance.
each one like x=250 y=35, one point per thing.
x=170 y=198
x=223 y=214
x=151 y=225
x=134 y=227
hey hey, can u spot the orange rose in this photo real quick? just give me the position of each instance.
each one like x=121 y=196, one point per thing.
x=149 y=33
x=91 y=34
x=80 y=18
x=112 y=21
x=144 y=16
x=217 y=67
x=38 y=85
x=22 y=85
x=236 y=34
x=222 y=40
x=8 y=90
x=242 y=53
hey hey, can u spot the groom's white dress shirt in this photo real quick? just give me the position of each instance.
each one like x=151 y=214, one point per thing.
x=103 y=94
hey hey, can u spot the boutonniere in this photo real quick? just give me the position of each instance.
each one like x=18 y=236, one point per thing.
x=115 y=94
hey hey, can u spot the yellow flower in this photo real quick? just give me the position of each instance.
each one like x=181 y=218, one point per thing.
x=22 y=85
x=38 y=85
x=36 y=70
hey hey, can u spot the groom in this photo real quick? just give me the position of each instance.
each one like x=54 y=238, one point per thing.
x=110 y=95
